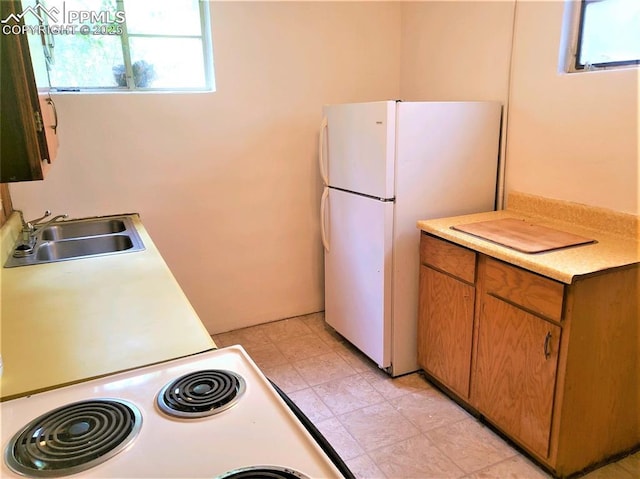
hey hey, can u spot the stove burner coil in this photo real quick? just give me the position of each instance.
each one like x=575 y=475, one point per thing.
x=73 y=438
x=263 y=472
x=201 y=393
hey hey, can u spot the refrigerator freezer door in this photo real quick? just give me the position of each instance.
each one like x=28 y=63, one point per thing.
x=358 y=270
x=359 y=151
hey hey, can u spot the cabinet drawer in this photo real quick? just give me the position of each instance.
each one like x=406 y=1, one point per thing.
x=535 y=293
x=448 y=257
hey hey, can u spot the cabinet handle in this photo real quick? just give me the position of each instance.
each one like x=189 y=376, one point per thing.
x=55 y=114
x=547 y=342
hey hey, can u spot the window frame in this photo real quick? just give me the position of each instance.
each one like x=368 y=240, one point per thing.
x=575 y=64
x=207 y=59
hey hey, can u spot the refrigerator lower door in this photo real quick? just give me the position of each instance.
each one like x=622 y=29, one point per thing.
x=358 y=269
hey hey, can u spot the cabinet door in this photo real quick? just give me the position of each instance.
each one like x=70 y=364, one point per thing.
x=24 y=151
x=515 y=369
x=445 y=328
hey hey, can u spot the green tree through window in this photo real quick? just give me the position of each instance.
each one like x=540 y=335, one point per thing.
x=120 y=44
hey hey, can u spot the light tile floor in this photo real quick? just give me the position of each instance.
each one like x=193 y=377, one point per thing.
x=384 y=427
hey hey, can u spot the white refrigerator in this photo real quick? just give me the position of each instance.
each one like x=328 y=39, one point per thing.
x=386 y=165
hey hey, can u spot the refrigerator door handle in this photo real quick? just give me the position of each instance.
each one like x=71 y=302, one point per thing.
x=321 y=160
x=323 y=231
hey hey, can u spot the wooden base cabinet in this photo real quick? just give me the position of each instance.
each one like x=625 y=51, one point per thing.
x=554 y=366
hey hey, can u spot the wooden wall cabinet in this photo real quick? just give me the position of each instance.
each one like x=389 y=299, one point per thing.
x=28 y=121
x=554 y=366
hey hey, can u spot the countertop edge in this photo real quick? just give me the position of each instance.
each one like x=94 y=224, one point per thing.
x=9 y=233
x=564 y=265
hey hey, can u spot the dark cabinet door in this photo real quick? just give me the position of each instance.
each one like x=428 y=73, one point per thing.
x=24 y=154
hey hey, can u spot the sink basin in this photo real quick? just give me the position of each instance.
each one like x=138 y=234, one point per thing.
x=76 y=239
x=75 y=248
x=78 y=229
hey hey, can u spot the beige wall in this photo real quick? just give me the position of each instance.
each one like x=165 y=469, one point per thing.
x=571 y=136
x=227 y=182
x=456 y=50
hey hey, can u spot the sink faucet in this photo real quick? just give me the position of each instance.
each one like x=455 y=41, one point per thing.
x=29 y=228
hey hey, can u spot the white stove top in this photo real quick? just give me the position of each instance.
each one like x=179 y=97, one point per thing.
x=259 y=429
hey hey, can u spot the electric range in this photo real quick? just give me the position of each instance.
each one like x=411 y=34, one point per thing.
x=211 y=415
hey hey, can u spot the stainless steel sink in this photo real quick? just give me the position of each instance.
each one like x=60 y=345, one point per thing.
x=75 y=248
x=75 y=239
x=79 y=229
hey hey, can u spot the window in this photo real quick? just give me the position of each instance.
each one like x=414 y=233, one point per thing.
x=608 y=34
x=121 y=45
